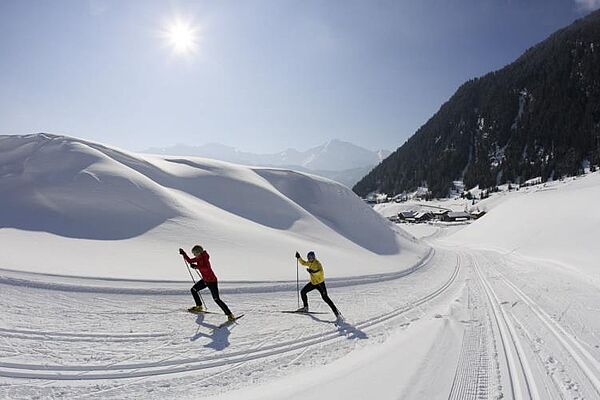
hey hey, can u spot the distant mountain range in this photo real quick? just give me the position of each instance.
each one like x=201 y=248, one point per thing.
x=539 y=116
x=338 y=160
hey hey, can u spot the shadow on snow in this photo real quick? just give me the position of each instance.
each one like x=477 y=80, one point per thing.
x=219 y=336
x=344 y=328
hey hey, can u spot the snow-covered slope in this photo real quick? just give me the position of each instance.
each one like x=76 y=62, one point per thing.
x=558 y=221
x=476 y=322
x=79 y=208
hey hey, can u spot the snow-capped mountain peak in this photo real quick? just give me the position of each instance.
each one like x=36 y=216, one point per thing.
x=336 y=159
x=334 y=155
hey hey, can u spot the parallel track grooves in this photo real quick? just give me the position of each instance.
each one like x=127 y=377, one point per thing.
x=516 y=361
x=82 y=372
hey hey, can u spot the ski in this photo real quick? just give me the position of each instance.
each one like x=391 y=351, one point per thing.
x=201 y=312
x=304 y=312
x=228 y=322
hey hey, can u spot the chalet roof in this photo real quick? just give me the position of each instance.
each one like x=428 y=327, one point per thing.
x=459 y=214
x=422 y=214
x=439 y=211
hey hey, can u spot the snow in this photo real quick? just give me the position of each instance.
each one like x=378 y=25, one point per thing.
x=504 y=308
x=533 y=181
x=334 y=155
x=421 y=231
x=560 y=223
x=523 y=96
x=115 y=345
x=91 y=210
x=364 y=373
x=390 y=209
x=341 y=161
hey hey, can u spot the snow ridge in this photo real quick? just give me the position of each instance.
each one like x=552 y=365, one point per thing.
x=76 y=198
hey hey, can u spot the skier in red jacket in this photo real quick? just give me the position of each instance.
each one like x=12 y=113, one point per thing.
x=209 y=279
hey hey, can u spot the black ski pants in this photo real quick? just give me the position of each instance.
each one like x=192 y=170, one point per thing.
x=214 y=290
x=323 y=290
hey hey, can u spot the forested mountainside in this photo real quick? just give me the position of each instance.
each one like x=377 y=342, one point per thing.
x=539 y=116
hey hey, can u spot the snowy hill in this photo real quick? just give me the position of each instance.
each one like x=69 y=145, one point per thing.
x=556 y=221
x=478 y=322
x=79 y=208
x=341 y=161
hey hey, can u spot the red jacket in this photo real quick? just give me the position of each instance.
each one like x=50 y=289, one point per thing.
x=202 y=264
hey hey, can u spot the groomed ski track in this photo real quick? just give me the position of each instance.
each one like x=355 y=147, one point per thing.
x=62 y=334
x=504 y=337
x=129 y=370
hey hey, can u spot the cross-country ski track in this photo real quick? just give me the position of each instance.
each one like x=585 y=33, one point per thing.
x=507 y=339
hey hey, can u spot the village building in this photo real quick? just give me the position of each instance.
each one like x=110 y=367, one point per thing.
x=406 y=216
x=457 y=216
x=439 y=214
x=423 y=216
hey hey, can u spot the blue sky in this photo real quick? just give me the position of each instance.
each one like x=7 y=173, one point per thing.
x=265 y=75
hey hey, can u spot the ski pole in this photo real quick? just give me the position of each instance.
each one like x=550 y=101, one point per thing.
x=297 y=284
x=193 y=280
x=189 y=272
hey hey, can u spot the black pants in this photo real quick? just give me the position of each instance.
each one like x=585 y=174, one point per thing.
x=214 y=290
x=323 y=290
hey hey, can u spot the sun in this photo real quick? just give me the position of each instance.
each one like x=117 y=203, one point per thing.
x=182 y=36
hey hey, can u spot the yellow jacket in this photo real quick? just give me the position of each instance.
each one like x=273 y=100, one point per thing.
x=317 y=276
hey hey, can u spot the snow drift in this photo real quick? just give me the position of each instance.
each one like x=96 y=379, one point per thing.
x=558 y=222
x=74 y=207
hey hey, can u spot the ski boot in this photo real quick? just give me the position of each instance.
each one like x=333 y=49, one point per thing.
x=196 y=309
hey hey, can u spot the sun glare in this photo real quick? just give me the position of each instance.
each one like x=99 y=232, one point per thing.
x=182 y=36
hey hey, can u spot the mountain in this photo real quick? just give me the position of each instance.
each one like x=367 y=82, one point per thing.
x=337 y=155
x=93 y=210
x=539 y=116
x=338 y=160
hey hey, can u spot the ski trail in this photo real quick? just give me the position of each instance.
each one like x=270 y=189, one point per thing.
x=473 y=370
x=171 y=365
x=523 y=384
x=140 y=288
x=75 y=336
x=588 y=364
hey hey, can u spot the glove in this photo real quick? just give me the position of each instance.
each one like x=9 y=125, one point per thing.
x=297 y=255
x=181 y=251
x=309 y=270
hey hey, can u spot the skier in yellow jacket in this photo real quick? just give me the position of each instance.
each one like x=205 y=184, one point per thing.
x=317 y=281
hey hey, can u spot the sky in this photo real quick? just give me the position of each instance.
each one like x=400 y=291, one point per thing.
x=261 y=76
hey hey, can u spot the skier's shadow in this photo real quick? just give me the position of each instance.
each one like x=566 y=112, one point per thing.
x=219 y=336
x=345 y=328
